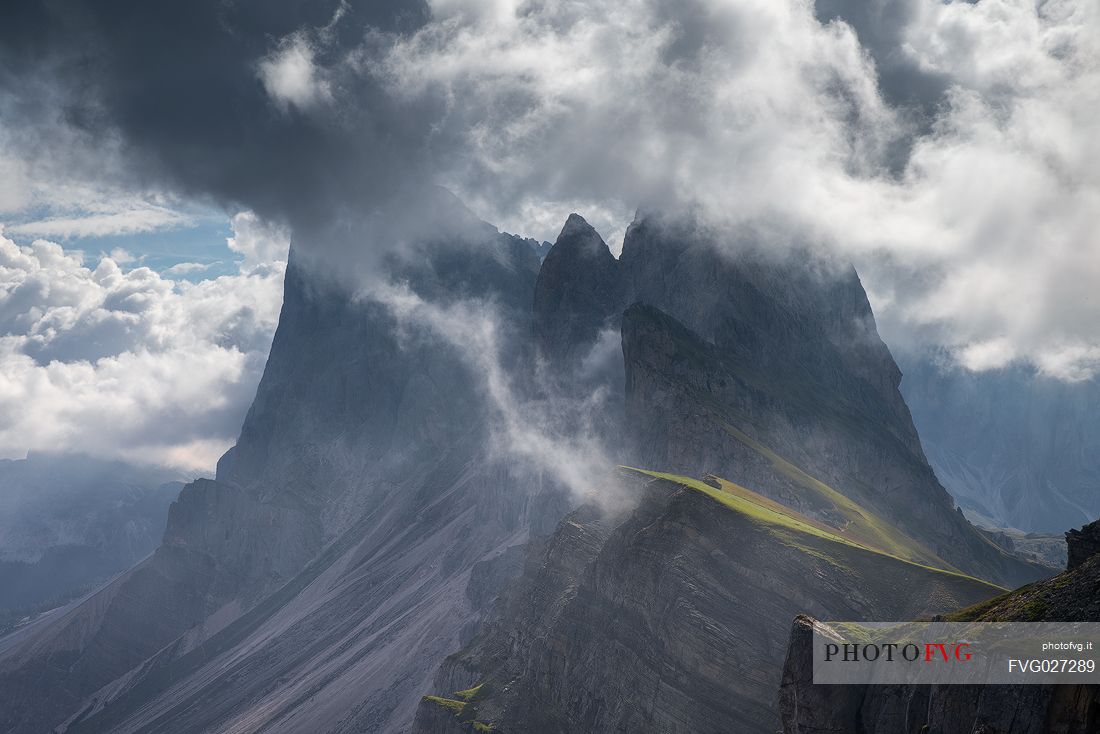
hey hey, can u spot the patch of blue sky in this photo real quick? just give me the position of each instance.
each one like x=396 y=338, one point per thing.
x=192 y=248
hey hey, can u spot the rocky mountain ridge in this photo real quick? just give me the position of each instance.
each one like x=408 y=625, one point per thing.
x=787 y=355
x=367 y=517
x=313 y=561
x=667 y=620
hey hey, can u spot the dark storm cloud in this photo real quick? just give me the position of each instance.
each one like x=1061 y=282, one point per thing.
x=177 y=83
x=957 y=137
x=880 y=26
x=180 y=87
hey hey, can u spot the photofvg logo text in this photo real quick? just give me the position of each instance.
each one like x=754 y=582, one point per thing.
x=930 y=652
x=954 y=653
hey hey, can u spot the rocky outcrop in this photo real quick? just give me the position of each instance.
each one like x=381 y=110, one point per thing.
x=1083 y=544
x=806 y=708
x=671 y=623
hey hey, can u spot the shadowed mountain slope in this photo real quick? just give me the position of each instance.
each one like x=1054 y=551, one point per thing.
x=692 y=405
x=323 y=574
x=669 y=619
x=370 y=512
x=1016 y=448
x=760 y=367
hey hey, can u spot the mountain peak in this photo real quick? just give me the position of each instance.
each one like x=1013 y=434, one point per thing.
x=575 y=221
x=579 y=236
x=577 y=292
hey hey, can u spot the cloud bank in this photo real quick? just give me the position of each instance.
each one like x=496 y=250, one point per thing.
x=949 y=149
x=957 y=167
x=128 y=363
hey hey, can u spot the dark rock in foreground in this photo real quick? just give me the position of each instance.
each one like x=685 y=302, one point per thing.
x=1072 y=596
x=1083 y=544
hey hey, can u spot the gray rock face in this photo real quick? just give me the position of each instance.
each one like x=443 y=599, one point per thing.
x=673 y=619
x=318 y=582
x=1017 y=449
x=806 y=708
x=803 y=371
x=670 y=622
x=1083 y=544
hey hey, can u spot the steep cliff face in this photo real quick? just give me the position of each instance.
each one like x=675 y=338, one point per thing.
x=787 y=372
x=1082 y=544
x=806 y=708
x=672 y=622
x=320 y=579
x=1015 y=448
x=795 y=314
x=765 y=370
x=694 y=405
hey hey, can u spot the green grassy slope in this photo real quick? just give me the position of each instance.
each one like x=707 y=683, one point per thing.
x=796 y=529
x=860 y=524
x=464 y=707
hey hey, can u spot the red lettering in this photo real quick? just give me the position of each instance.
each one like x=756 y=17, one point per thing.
x=930 y=647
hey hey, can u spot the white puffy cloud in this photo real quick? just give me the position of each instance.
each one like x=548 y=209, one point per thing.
x=127 y=363
x=290 y=75
x=983 y=238
x=732 y=106
x=184 y=268
x=258 y=241
x=1001 y=200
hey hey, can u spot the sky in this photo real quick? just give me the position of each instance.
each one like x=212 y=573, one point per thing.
x=157 y=163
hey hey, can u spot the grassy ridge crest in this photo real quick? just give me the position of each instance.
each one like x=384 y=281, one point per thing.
x=783 y=521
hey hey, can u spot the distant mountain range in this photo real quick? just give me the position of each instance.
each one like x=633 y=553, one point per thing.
x=376 y=554
x=67 y=522
x=1016 y=449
